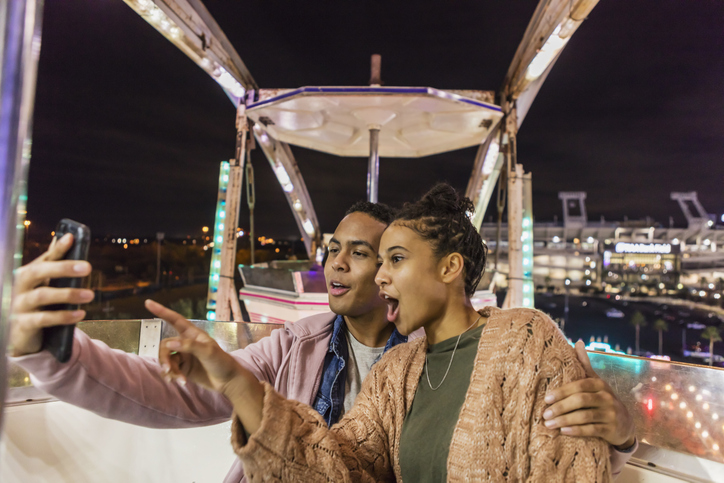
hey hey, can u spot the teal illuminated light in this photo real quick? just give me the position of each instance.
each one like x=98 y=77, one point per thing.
x=527 y=239
x=218 y=239
x=210 y=315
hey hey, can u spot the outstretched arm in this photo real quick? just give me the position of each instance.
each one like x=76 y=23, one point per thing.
x=288 y=440
x=195 y=356
x=108 y=382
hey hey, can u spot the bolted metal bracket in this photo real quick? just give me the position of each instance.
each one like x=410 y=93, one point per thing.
x=150 y=337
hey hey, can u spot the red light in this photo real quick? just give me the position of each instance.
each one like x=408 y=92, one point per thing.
x=650 y=405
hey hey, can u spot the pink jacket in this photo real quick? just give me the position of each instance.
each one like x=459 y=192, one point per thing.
x=129 y=388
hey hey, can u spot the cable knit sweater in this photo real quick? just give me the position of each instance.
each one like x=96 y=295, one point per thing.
x=499 y=436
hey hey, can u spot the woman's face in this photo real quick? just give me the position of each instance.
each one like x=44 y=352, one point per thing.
x=409 y=279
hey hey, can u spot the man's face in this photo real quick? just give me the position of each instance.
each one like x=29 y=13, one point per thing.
x=352 y=265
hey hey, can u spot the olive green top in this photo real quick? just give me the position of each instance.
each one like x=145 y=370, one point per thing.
x=428 y=427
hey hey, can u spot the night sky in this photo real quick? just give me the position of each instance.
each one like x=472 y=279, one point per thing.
x=128 y=132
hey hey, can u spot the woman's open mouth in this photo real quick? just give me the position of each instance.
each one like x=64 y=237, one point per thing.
x=393 y=308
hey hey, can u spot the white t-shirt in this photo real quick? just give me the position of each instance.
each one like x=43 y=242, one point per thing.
x=359 y=363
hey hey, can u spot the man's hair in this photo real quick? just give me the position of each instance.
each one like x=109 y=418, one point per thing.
x=379 y=211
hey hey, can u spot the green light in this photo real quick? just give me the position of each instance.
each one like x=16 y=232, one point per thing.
x=210 y=315
x=217 y=235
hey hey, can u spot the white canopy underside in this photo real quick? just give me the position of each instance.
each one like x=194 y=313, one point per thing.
x=413 y=121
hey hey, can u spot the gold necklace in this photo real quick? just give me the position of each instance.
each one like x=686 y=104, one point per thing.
x=427 y=371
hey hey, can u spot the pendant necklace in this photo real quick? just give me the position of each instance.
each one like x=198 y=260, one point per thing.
x=427 y=372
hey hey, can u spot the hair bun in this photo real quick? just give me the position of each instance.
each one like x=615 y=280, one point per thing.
x=444 y=199
x=441 y=217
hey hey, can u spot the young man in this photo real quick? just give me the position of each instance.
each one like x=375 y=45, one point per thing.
x=320 y=360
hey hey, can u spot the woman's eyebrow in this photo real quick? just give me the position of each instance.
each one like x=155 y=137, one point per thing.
x=397 y=247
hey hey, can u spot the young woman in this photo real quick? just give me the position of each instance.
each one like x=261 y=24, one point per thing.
x=464 y=403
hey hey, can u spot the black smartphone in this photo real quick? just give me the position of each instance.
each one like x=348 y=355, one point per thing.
x=59 y=339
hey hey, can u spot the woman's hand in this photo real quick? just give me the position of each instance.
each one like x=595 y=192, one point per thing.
x=196 y=357
x=31 y=294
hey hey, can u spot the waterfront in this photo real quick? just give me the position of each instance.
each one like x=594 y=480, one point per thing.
x=587 y=317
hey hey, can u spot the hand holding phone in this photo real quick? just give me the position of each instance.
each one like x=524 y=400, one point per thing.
x=58 y=340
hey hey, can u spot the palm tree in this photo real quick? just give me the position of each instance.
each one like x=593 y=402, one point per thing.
x=638 y=320
x=662 y=327
x=711 y=333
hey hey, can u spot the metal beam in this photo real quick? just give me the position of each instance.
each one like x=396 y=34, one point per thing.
x=20 y=31
x=227 y=300
x=285 y=168
x=552 y=25
x=190 y=27
x=486 y=171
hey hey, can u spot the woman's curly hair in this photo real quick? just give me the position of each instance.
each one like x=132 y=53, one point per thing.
x=441 y=217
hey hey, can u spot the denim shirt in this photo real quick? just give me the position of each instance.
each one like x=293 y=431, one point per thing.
x=330 y=397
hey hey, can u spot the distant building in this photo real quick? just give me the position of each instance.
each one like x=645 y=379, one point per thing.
x=616 y=255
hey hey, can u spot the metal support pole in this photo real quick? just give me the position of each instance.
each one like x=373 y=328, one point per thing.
x=251 y=201
x=376 y=70
x=227 y=301
x=514 y=297
x=373 y=169
x=20 y=28
x=502 y=183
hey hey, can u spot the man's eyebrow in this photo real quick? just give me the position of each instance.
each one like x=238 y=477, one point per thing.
x=334 y=240
x=364 y=243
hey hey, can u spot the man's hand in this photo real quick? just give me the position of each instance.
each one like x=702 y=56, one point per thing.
x=589 y=407
x=30 y=295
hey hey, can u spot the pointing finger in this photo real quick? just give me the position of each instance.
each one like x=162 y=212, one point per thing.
x=177 y=321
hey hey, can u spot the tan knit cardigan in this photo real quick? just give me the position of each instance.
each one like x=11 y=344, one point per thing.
x=499 y=436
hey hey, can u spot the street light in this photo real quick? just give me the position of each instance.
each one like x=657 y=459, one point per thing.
x=27 y=225
x=205 y=229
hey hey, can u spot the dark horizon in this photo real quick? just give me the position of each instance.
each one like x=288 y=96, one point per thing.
x=129 y=133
